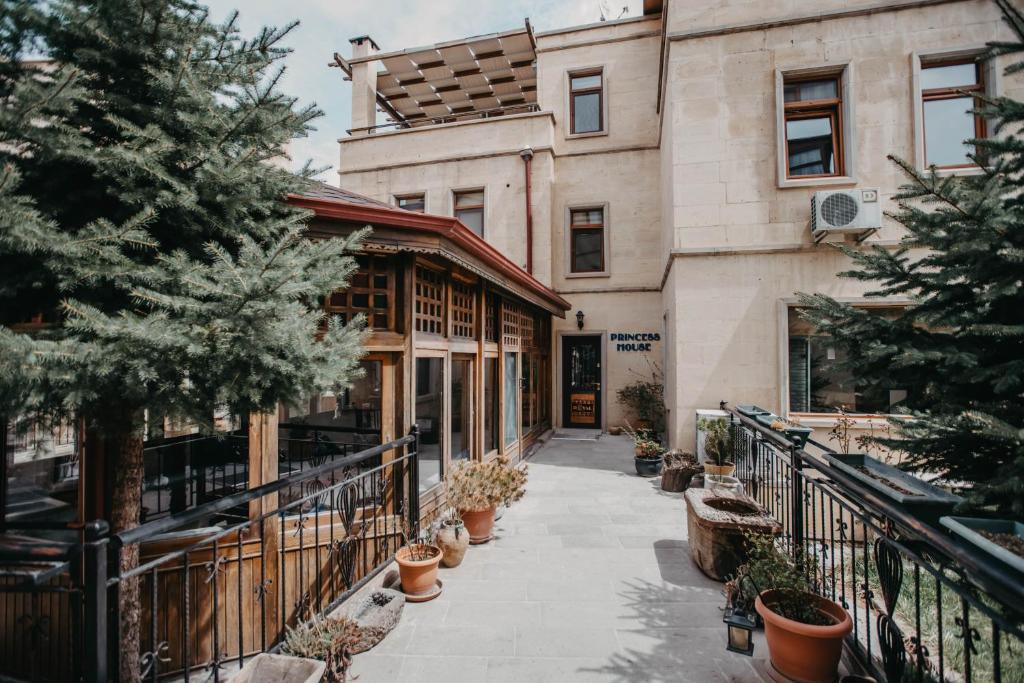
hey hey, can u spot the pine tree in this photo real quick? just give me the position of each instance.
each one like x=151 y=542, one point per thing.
x=958 y=348
x=142 y=217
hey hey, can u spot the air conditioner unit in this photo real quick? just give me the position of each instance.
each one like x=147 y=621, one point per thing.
x=842 y=212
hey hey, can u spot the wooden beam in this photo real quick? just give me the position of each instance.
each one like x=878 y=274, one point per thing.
x=345 y=66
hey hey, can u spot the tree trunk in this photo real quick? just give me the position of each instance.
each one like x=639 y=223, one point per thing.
x=122 y=436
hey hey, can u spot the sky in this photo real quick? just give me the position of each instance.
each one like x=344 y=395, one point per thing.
x=326 y=26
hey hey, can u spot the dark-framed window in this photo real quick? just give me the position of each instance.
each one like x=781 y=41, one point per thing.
x=412 y=202
x=813 y=109
x=950 y=89
x=586 y=102
x=370 y=292
x=469 y=208
x=586 y=240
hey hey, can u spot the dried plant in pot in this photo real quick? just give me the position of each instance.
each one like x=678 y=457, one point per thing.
x=475 y=489
x=451 y=537
x=679 y=470
x=804 y=630
x=719 y=446
x=330 y=640
x=417 y=565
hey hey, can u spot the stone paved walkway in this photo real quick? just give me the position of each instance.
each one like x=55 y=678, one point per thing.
x=588 y=579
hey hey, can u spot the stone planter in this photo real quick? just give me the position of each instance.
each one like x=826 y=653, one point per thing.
x=717 y=522
x=268 y=668
x=376 y=614
x=453 y=540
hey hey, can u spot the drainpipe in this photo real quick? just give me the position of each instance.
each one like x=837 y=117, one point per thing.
x=527 y=154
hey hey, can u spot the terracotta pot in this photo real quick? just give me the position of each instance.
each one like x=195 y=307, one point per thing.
x=418 y=576
x=804 y=652
x=452 y=539
x=726 y=470
x=479 y=524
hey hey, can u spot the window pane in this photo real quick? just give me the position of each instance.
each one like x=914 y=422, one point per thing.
x=811 y=90
x=587 y=246
x=591 y=81
x=412 y=203
x=462 y=409
x=472 y=219
x=810 y=146
x=947 y=123
x=586 y=113
x=949 y=76
x=491 y=418
x=588 y=217
x=818 y=384
x=429 y=398
x=511 y=399
x=527 y=388
x=469 y=198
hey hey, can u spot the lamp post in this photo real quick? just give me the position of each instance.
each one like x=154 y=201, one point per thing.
x=579 y=319
x=741 y=619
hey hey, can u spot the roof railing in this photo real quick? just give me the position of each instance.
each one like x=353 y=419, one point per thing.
x=449 y=118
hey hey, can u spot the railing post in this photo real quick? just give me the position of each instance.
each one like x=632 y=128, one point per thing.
x=797 y=502
x=94 y=641
x=414 y=482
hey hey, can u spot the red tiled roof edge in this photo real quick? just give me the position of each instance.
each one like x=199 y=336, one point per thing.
x=445 y=226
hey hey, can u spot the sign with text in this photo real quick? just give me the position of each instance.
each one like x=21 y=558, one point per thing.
x=634 y=341
x=583 y=407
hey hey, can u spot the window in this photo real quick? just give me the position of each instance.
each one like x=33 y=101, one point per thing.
x=586 y=102
x=511 y=399
x=813 y=126
x=412 y=202
x=818 y=385
x=469 y=208
x=491 y=419
x=586 y=240
x=949 y=91
x=369 y=293
x=429 y=399
x=462 y=408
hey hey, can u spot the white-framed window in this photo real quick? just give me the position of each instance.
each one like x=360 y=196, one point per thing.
x=814 y=382
x=815 y=130
x=469 y=207
x=586 y=240
x=586 y=102
x=946 y=87
x=413 y=201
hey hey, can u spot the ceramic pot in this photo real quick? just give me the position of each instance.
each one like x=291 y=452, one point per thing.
x=648 y=467
x=417 y=567
x=715 y=481
x=479 y=524
x=452 y=539
x=804 y=652
x=726 y=470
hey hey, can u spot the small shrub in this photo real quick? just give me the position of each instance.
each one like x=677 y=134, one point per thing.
x=476 y=486
x=329 y=640
x=719 y=441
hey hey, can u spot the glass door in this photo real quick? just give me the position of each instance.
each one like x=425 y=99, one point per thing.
x=581 y=381
x=462 y=408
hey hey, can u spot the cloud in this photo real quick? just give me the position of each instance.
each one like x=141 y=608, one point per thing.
x=327 y=25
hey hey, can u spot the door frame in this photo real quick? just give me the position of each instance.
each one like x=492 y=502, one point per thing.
x=559 y=402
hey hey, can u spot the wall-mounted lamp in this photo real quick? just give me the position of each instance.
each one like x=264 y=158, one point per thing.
x=579 y=319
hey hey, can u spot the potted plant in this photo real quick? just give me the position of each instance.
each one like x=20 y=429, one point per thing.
x=648 y=453
x=477 y=488
x=719 y=445
x=804 y=631
x=451 y=537
x=678 y=471
x=417 y=566
x=1000 y=539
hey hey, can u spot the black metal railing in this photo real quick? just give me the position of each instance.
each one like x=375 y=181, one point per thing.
x=924 y=607
x=210 y=595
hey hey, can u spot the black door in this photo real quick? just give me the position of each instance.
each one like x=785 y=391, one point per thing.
x=581 y=382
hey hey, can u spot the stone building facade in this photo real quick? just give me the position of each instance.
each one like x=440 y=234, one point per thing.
x=657 y=172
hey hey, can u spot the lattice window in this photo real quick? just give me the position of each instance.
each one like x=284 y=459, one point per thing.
x=525 y=328
x=371 y=292
x=429 y=312
x=463 y=311
x=491 y=317
x=510 y=324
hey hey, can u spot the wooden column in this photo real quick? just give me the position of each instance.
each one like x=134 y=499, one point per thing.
x=263 y=463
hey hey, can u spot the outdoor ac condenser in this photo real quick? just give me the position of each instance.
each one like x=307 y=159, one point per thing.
x=856 y=212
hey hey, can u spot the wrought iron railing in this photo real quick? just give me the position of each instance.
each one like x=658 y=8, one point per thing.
x=924 y=607
x=210 y=596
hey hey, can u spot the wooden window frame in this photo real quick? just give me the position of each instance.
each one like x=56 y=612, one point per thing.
x=599 y=71
x=936 y=94
x=572 y=228
x=813 y=109
x=370 y=290
x=472 y=207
